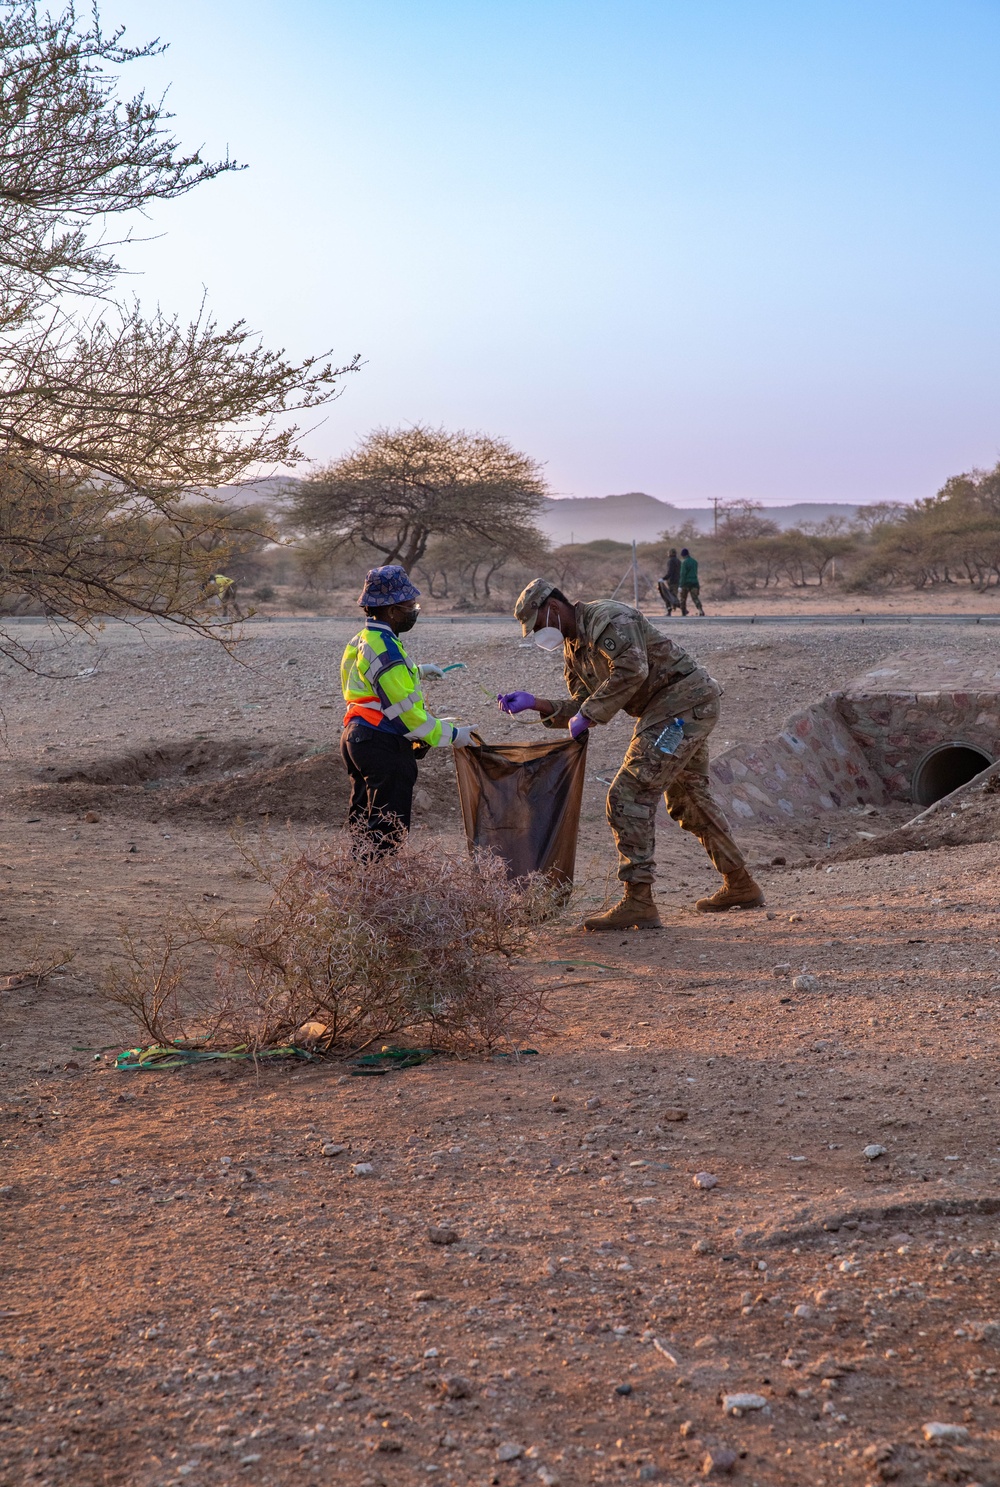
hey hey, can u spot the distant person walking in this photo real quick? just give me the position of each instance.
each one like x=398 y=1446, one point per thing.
x=224 y=589
x=690 y=587
x=668 y=583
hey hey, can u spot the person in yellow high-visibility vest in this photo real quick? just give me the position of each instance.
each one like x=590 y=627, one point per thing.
x=224 y=589
x=387 y=726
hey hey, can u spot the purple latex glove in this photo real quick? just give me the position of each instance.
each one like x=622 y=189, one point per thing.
x=516 y=702
x=578 y=725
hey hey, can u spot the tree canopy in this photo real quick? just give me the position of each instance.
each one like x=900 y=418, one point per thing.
x=111 y=417
x=955 y=533
x=401 y=487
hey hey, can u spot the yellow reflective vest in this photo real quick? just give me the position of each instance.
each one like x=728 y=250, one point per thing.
x=381 y=685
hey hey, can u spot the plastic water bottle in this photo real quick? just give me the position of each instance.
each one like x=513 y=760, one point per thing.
x=670 y=737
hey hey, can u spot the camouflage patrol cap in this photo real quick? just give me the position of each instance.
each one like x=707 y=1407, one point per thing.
x=530 y=600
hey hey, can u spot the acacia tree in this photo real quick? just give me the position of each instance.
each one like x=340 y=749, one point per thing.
x=110 y=418
x=401 y=487
x=740 y=530
x=473 y=564
x=741 y=521
x=869 y=520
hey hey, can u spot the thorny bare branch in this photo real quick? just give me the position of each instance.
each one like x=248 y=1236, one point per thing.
x=111 y=423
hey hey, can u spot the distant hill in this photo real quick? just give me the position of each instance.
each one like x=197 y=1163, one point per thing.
x=273 y=490
x=636 y=515
x=578 y=518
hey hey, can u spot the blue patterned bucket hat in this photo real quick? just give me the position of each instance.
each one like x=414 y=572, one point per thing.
x=385 y=586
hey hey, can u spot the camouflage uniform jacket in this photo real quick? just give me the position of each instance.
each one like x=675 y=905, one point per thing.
x=618 y=662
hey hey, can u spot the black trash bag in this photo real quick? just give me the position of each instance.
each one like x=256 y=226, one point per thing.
x=522 y=801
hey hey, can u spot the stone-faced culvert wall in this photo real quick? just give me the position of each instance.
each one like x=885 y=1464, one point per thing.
x=912 y=716
x=912 y=730
x=813 y=765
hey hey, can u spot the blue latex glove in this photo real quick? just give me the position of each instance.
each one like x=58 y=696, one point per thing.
x=516 y=702
x=578 y=725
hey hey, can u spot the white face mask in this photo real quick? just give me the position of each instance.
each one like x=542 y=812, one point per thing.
x=548 y=639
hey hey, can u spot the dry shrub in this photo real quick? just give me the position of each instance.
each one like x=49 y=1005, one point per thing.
x=164 y=985
x=36 y=964
x=421 y=942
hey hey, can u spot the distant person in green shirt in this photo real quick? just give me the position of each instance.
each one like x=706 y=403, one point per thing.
x=689 y=582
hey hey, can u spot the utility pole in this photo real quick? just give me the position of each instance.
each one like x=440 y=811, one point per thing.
x=635 y=577
x=716 y=502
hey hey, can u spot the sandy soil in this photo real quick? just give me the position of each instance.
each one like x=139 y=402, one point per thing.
x=969 y=814
x=194 y=1294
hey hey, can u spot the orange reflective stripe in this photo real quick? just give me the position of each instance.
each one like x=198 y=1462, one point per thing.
x=358 y=709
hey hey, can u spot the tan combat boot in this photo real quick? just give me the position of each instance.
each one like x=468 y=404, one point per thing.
x=635 y=911
x=738 y=891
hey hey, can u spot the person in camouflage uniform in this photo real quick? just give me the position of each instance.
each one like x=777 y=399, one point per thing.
x=615 y=660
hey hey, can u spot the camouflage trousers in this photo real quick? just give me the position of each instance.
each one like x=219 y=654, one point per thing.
x=692 y=590
x=681 y=778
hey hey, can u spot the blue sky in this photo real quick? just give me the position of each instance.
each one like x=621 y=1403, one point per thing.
x=712 y=248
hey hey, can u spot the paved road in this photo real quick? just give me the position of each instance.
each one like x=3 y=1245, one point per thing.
x=692 y=622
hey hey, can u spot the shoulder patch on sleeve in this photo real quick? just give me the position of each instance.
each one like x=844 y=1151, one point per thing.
x=611 y=643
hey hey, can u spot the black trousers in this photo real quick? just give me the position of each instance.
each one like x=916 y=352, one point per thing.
x=383 y=771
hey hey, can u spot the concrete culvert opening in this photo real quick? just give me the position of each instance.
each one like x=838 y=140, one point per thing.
x=946 y=768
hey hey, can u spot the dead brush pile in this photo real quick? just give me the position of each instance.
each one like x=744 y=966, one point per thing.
x=416 y=943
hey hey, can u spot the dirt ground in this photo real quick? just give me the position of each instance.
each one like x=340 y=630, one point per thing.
x=193 y=1293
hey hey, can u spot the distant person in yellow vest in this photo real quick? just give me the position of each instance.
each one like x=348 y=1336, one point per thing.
x=224 y=589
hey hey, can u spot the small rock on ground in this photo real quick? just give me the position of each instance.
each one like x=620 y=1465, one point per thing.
x=719 y=1462
x=738 y=1404
x=456 y=1387
x=439 y=1234
x=937 y=1430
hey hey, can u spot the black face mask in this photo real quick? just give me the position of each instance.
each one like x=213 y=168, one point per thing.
x=406 y=622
